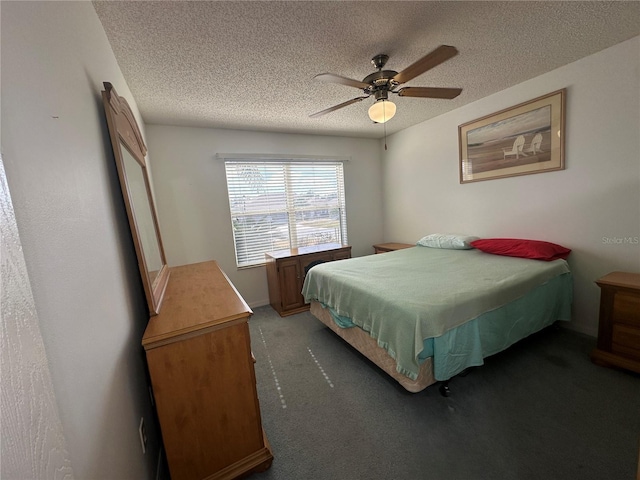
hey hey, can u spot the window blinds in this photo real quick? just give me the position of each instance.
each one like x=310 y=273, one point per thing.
x=278 y=205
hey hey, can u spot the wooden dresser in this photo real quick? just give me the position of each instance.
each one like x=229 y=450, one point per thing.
x=390 y=247
x=619 y=325
x=286 y=270
x=199 y=356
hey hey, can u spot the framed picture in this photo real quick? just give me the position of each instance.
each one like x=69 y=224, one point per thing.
x=527 y=138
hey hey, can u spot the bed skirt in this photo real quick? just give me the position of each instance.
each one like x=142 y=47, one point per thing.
x=368 y=346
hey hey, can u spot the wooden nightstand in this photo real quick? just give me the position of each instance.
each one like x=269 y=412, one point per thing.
x=390 y=247
x=619 y=326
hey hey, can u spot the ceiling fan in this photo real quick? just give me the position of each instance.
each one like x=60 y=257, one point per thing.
x=383 y=82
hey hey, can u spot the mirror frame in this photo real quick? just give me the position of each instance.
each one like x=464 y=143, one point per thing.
x=125 y=133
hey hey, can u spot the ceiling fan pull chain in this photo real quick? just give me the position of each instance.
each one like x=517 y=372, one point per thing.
x=384 y=125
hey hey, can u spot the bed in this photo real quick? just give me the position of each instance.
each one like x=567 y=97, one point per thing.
x=424 y=314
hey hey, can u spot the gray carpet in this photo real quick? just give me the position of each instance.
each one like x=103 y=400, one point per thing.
x=540 y=410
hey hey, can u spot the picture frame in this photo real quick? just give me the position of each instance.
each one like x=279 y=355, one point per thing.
x=520 y=140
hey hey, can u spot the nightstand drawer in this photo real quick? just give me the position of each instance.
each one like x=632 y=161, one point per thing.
x=626 y=340
x=626 y=308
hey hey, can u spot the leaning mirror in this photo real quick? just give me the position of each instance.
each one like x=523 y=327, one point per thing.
x=129 y=152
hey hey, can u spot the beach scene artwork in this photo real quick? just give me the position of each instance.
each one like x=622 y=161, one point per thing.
x=526 y=138
x=513 y=142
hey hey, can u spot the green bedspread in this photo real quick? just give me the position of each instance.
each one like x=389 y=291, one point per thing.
x=405 y=297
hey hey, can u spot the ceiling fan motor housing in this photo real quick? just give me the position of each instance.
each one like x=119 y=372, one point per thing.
x=382 y=80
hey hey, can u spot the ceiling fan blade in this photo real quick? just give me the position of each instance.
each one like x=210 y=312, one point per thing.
x=332 y=78
x=336 y=107
x=433 y=59
x=429 y=92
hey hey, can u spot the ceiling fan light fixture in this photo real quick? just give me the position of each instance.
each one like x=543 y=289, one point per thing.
x=382 y=111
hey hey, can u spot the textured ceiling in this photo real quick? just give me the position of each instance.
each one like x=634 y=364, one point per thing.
x=250 y=65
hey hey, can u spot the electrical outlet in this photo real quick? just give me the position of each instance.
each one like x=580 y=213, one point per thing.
x=143 y=435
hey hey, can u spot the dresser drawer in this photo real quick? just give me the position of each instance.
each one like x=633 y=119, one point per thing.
x=342 y=254
x=626 y=308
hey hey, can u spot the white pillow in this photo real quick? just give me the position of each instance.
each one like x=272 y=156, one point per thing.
x=447 y=240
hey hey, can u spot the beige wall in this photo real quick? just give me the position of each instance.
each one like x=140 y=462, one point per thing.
x=589 y=206
x=586 y=207
x=77 y=246
x=193 y=206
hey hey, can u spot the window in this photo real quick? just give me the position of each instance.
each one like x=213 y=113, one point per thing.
x=281 y=204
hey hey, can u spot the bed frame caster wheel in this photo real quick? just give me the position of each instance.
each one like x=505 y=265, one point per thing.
x=444 y=389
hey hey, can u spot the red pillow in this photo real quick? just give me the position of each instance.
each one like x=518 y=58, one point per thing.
x=515 y=247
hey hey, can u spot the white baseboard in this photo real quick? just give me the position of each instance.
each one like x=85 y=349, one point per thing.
x=259 y=303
